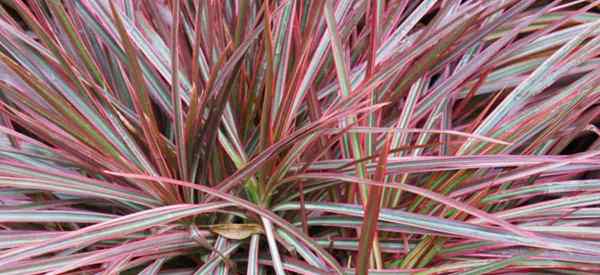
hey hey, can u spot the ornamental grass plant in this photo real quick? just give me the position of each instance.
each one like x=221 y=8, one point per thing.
x=180 y=137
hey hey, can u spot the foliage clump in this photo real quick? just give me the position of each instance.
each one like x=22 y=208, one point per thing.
x=309 y=137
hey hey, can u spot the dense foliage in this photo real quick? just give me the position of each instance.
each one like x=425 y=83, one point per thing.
x=309 y=137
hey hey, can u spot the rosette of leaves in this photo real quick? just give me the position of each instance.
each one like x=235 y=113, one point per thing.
x=308 y=137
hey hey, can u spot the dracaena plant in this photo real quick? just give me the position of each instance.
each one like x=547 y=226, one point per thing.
x=308 y=137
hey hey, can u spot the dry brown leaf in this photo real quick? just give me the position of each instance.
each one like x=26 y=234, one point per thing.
x=236 y=231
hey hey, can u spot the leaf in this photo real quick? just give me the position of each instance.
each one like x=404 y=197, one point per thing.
x=107 y=230
x=236 y=231
x=275 y=254
x=462 y=229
